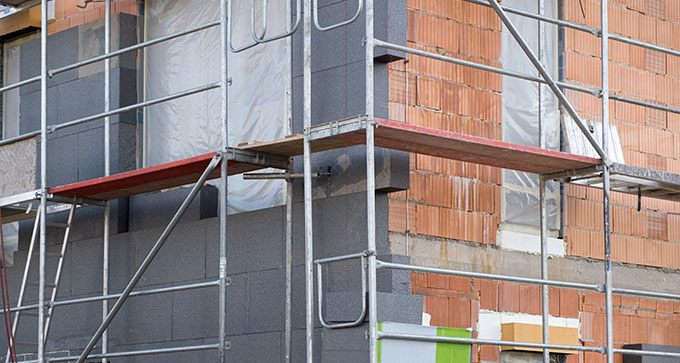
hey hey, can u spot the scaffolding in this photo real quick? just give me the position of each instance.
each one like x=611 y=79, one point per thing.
x=364 y=129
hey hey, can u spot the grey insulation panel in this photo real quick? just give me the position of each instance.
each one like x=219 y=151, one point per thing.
x=17 y=167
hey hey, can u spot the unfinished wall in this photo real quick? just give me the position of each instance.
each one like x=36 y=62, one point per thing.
x=449 y=198
x=255 y=296
x=256 y=239
x=650 y=138
x=67 y=14
x=451 y=213
x=458 y=301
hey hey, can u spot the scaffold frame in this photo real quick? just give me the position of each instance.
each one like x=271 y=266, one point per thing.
x=364 y=129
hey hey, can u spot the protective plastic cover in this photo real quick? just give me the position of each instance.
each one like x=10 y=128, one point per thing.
x=190 y=126
x=521 y=117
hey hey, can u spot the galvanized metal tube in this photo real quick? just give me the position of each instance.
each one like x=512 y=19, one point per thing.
x=650 y=353
x=545 y=308
x=370 y=189
x=105 y=272
x=543 y=205
x=541 y=53
x=107 y=171
x=309 y=236
x=253 y=32
x=19 y=84
x=25 y=136
x=108 y=55
x=380 y=265
x=131 y=48
x=583 y=28
x=480 y=275
x=406 y=99
x=443 y=58
x=644 y=104
x=541 y=17
x=362 y=315
x=229 y=21
x=57 y=275
x=430 y=338
x=387 y=45
x=24 y=280
x=289 y=30
x=661 y=295
x=90 y=299
x=43 y=179
x=224 y=184
x=150 y=256
x=605 y=183
x=160 y=290
x=337 y=25
x=288 y=319
x=351 y=256
x=137 y=105
x=627 y=40
x=551 y=83
x=135 y=353
x=287 y=175
x=288 y=313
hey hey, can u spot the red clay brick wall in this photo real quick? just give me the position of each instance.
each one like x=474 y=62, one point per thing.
x=650 y=138
x=456 y=301
x=449 y=198
x=461 y=201
x=68 y=15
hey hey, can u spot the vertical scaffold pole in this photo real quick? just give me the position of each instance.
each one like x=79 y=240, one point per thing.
x=107 y=171
x=288 y=325
x=223 y=192
x=541 y=54
x=307 y=116
x=43 y=179
x=370 y=190
x=605 y=182
x=545 y=311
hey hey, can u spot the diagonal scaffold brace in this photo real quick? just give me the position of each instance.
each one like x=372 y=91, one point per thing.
x=151 y=255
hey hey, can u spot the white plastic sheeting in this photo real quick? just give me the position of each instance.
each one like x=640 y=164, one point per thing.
x=577 y=143
x=521 y=117
x=191 y=125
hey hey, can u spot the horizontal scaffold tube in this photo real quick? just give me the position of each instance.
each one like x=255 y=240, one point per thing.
x=79 y=121
x=660 y=295
x=170 y=97
x=651 y=353
x=481 y=275
x=505 y=72
x=134 y=353
x=161 y=290
x=525 y=280
x=591 y=91
x=594 y=31
x=116 y=53
x=430 y=338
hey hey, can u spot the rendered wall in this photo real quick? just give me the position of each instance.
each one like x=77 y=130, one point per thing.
x=17 y=170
